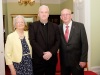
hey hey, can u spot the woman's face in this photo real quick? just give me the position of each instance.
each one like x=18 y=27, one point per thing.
x=20 y=24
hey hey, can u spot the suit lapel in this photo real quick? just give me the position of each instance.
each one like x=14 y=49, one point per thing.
x=62 y=33
x=71 y=32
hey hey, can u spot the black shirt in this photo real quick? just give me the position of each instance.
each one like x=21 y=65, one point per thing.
x=45 y=32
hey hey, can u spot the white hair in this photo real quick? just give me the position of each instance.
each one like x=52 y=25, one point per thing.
x=44 y=6
x=15 y=19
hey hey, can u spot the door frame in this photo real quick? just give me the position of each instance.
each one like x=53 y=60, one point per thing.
x=2 y=62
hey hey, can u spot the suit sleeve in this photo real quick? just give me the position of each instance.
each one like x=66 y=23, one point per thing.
x=57 y=40
x=32 y=34
x=84 y=44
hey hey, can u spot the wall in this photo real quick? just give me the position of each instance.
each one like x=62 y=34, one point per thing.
x=95 y=35
x=67 y=4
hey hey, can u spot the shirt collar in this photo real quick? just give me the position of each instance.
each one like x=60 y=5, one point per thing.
x=70 y=24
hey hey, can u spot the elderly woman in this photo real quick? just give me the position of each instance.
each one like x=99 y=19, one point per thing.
x=18 y=50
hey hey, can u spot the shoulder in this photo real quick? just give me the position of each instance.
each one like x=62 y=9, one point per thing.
x=25 y=32
x=77 y=24
x=35 y=23
x=53 y=24
x=11 y=34
x=60 y=25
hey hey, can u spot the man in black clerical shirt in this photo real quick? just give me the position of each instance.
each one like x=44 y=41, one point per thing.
x=44 y=37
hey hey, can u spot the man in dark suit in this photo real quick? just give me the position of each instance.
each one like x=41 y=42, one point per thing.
x=44 y=37
x=73 y=46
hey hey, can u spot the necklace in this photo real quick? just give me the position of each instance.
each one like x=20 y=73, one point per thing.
x=21 y=36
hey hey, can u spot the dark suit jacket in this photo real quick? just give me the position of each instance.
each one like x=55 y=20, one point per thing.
x=37 y=41
x=76 y=49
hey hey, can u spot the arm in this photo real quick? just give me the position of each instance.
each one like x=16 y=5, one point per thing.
x=84 y=44
x=8 y=54
x=8 y=51
x=32 y=39
x=84 y=47
x=55 y=47
x=12 y=69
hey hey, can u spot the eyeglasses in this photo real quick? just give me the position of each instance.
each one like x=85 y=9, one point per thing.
x=19 y=22
x=65 y=14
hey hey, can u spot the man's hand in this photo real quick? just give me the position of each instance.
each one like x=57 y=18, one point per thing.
x=47 y=55
x=82 y=64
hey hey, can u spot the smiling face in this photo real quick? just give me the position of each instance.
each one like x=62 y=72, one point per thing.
x=43 y=13
x=19 y=24
x=66 y=16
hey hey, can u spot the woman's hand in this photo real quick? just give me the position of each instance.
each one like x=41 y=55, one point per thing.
x=12 y=69
x=13 y=72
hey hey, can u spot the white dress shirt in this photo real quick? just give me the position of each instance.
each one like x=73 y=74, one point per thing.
x=69 y=27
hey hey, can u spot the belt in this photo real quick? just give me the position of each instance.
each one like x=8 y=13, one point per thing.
x=26 y=54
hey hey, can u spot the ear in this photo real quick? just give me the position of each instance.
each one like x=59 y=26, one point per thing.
x=38 y=14
x=71 y=16
x=60 y=17
x=14 y=27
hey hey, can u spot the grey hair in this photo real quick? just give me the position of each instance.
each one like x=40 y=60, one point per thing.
x=44 y=6
x=15 y=19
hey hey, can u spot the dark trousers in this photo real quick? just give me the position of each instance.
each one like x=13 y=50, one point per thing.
x=44 y=69
x=69 y=70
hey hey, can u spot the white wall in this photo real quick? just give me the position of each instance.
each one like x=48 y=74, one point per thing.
x=2 y=64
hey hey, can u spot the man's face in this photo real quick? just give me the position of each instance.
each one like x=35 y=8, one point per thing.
x=66 y=16
x=43 y=14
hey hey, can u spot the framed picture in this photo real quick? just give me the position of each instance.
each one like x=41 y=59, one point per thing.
x=29 y=18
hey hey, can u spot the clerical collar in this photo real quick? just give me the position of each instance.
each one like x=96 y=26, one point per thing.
x=44 y=23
